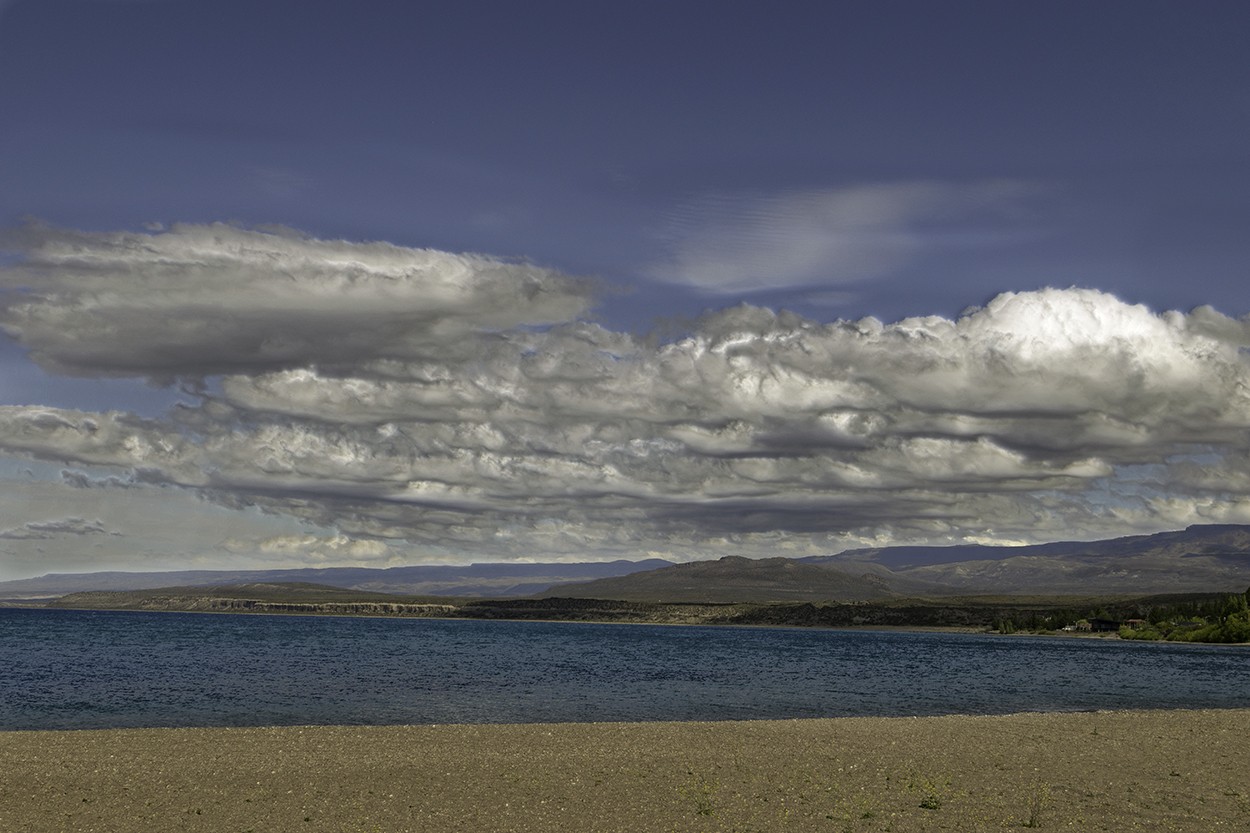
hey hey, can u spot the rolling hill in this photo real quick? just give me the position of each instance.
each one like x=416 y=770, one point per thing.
x=1195 y=560
x=1199 y=559
x=737 y=579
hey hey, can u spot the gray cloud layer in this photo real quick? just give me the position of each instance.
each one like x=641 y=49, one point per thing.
x=43 y=530
x=201 y=300
x=1046 y=414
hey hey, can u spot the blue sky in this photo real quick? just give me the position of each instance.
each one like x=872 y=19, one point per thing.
x=839 y=161
x=590 y=137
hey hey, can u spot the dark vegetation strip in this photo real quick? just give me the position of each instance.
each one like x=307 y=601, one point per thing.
x=1189 y=617
x=1225 y=619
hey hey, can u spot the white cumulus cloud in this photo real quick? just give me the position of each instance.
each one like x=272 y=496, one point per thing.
x=756 y=430
x=1061 y=412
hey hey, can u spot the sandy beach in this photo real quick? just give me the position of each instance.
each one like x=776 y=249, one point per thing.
x=1113 y=771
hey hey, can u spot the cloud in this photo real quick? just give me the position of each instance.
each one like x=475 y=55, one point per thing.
x=735 y=243
x=319 y=549
x=164 y=527
x=41 y=530
x=81 y=480
x=194 y=300
x=758 y=432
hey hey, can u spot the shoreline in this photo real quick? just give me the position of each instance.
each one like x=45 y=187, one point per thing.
x=1197 y=616
x=936 y=629
x=1107 y=770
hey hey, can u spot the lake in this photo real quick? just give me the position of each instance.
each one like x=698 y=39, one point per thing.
x=64 y=669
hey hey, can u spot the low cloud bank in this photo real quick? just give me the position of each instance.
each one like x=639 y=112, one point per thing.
x=458 y=403
x=203 y=300
x=43 y=530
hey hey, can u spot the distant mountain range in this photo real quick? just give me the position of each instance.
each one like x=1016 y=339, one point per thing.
x=479 y=580
x=1199 y=559
x=1196 y=560
x=737 y=579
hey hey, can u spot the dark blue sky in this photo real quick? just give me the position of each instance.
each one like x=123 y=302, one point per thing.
x=589 y=137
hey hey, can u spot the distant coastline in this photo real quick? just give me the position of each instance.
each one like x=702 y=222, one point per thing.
x=1061 y=616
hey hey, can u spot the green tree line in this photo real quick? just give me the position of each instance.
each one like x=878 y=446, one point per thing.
x=1216 y=620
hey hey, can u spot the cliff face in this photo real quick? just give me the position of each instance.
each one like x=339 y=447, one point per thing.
x=201 y=603
x=976 y=614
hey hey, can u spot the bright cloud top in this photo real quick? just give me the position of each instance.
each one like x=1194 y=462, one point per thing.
x=1043 y=414
x=201 y=300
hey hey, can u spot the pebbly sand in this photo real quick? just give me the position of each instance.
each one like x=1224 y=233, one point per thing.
x=1114 y=771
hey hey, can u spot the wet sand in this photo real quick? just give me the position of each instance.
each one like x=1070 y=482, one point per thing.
x=1113 y=771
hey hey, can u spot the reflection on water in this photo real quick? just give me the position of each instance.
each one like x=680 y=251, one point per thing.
x=85 y=669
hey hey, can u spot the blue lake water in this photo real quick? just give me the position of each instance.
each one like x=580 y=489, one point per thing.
x=86 y=669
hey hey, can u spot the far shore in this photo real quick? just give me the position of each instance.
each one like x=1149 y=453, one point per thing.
x=887 y=628
x=1091 y=771
x=952 y=629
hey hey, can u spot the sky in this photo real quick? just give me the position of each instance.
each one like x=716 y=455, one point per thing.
x=309 y=283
